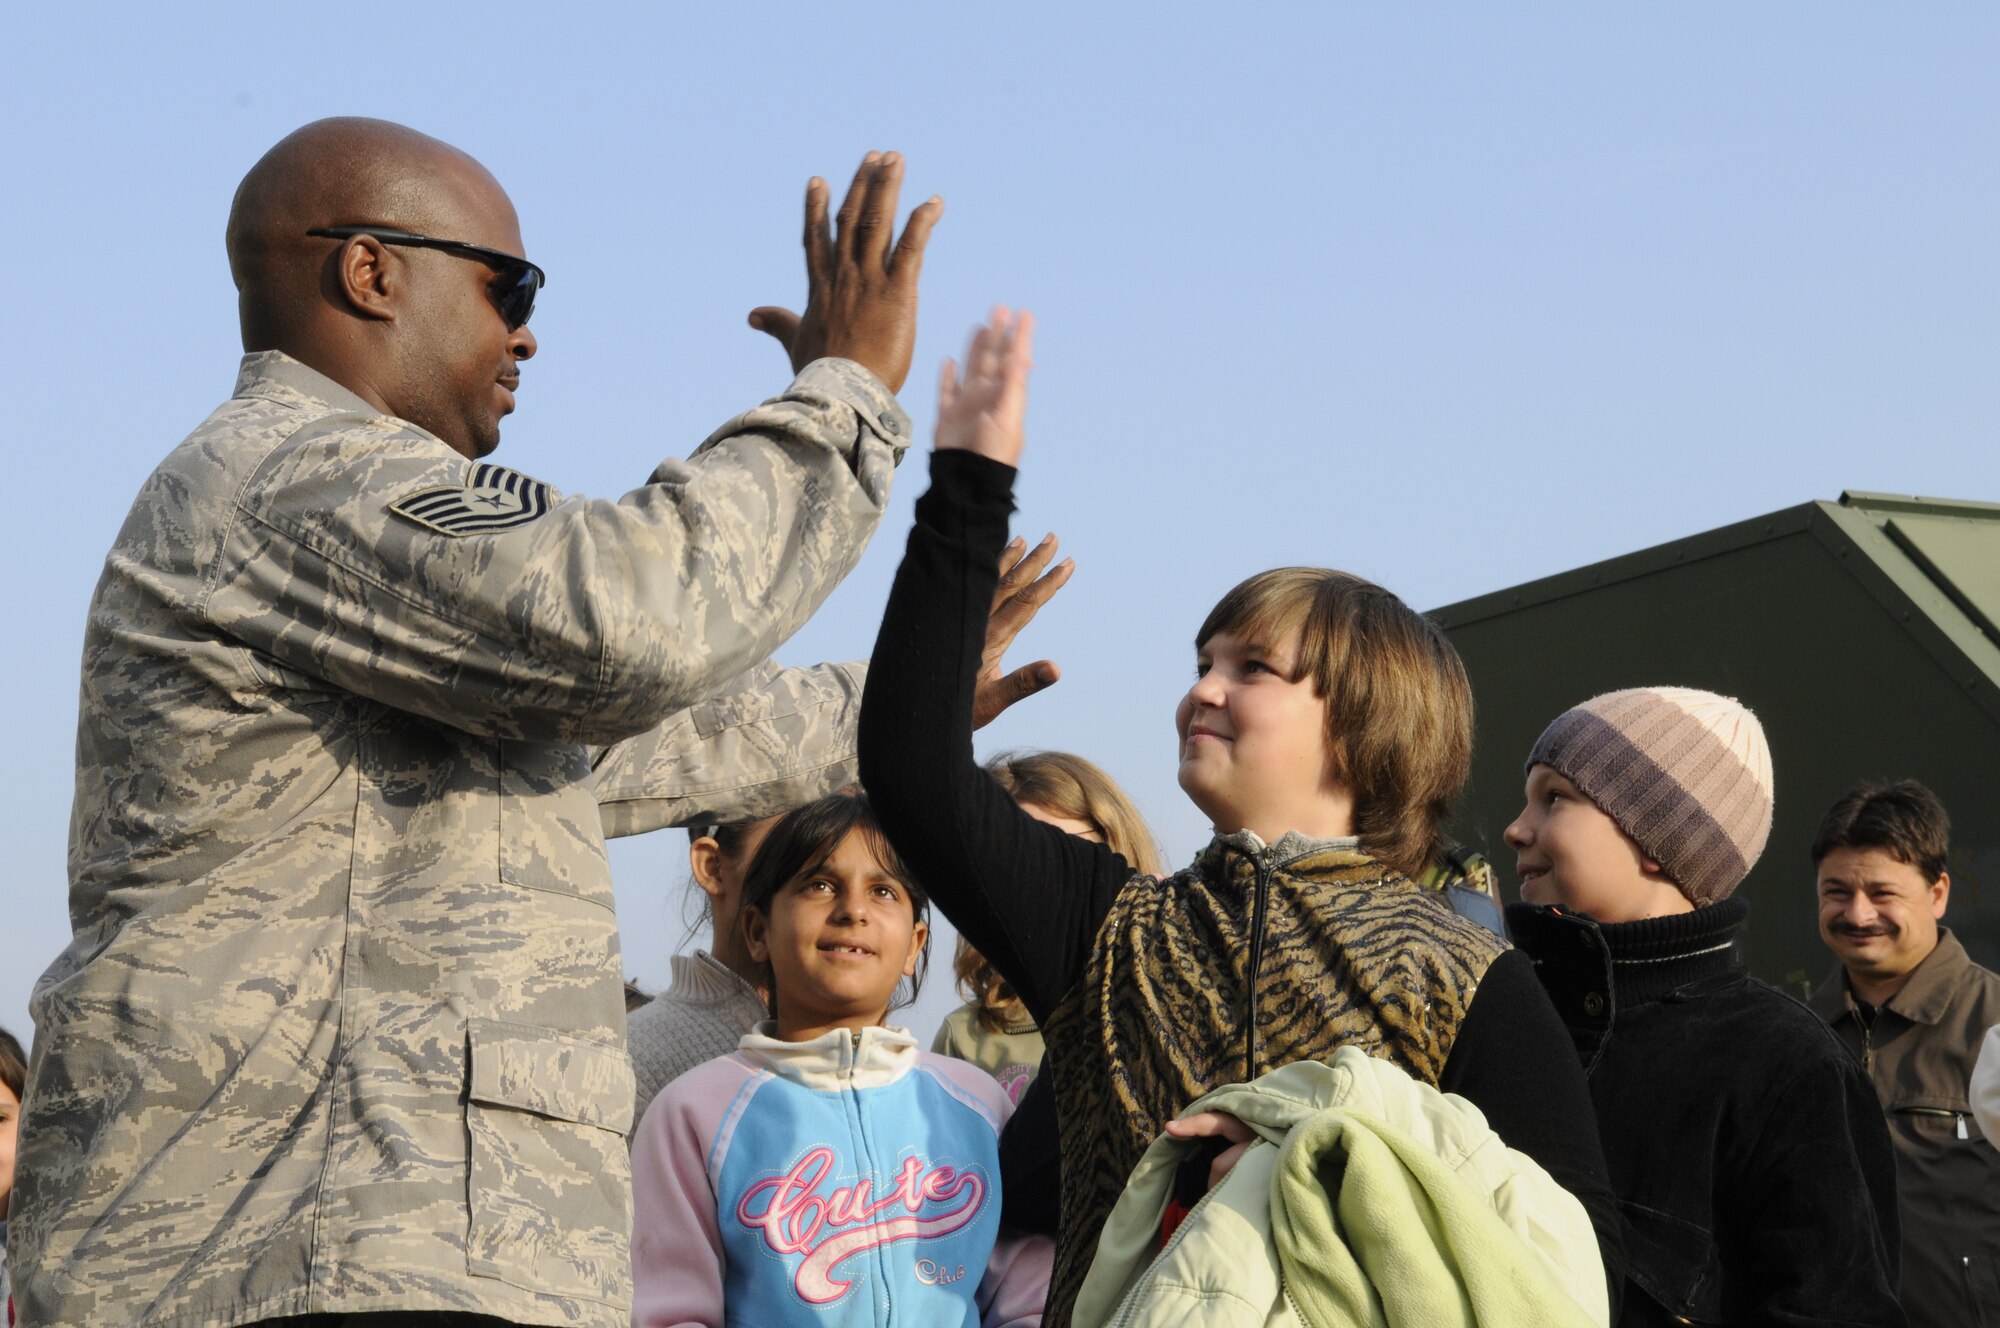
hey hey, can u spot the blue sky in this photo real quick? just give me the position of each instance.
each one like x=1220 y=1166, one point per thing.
x=1450 y=297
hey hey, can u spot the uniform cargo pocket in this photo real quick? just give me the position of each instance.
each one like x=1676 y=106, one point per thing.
x=551 y=1188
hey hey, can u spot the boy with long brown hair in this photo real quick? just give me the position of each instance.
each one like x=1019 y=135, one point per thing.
x=1327 y=731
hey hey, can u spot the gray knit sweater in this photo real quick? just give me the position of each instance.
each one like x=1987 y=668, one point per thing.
x=702 y=1014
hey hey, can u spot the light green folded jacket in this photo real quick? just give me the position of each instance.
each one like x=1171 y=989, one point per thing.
x=1367 y=1199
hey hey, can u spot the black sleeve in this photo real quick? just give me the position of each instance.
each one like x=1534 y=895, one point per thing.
x=1514 y=1061
x=1809 y=1216
x=1031 y=1160
x=1024 y=894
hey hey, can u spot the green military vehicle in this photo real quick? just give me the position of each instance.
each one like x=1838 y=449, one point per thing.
x=1864 y=633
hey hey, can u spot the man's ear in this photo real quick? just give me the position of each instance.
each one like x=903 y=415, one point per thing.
x=370 y=277
x=756 y=934
x=705 y=859
x=1940 y=894
x=918 y=936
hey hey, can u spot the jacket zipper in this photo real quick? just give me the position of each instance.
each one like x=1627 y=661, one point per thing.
x=1868 y=1064
x=1130 y=1305
x=1257 y=909
x=884 y=1301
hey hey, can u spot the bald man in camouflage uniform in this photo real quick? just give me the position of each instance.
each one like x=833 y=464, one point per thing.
x=340 y=1034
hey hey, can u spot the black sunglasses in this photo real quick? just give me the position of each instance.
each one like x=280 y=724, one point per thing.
x=514 y=289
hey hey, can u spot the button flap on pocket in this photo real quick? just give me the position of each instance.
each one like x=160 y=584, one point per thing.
x=551 y=1074
x=767 y=693
x=733 y=711
x=1673 y=1260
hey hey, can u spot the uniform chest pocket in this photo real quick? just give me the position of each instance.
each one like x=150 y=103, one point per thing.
x=755 y=706
x=551 y=835
x=550 y=1194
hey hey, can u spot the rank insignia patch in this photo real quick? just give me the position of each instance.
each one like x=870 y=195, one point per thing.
x=496 y=499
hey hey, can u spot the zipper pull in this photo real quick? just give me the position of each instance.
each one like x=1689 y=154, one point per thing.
x=1963 y=1133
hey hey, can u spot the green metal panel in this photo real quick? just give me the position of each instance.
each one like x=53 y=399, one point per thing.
x=1863 y=633
x=1957 y=553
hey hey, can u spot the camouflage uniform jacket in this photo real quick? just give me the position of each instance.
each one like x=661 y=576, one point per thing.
x=341 y=1026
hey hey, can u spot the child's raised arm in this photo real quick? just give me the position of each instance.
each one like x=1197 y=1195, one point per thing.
x=1027 y=895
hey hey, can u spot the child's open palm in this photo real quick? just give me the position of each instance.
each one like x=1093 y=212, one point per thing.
x=982 y=410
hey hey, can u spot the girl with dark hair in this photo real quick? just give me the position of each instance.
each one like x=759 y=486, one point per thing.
x=829 y=1167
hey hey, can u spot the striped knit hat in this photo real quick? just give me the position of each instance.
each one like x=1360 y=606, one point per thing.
x=1685 y=773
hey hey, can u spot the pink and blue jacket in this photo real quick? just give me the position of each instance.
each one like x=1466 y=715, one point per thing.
x=849 y=1180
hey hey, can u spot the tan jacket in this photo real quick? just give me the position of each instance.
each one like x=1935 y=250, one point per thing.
x=1919 y=1051
x=341 y=1028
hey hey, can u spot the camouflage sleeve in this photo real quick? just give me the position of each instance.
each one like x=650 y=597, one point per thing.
x=359 y=558
x=767 y=742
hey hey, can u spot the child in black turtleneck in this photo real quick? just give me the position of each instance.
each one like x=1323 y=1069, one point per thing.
x=1745 y=1145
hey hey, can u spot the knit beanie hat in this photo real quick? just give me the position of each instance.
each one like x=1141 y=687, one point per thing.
x=1686 y=773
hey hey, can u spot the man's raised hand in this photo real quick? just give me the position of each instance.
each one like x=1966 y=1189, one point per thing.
x=983 y=407
x=1026 y=583
x=861 y=295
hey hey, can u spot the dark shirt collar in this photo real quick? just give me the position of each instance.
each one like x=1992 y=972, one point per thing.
x=1655 y=957
x=1647 y=960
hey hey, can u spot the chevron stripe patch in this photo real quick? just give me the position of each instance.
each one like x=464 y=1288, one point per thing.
x=496 y=499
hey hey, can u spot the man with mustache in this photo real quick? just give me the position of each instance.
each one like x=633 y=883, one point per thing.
x=1914 y=1007
x=340 y=1034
